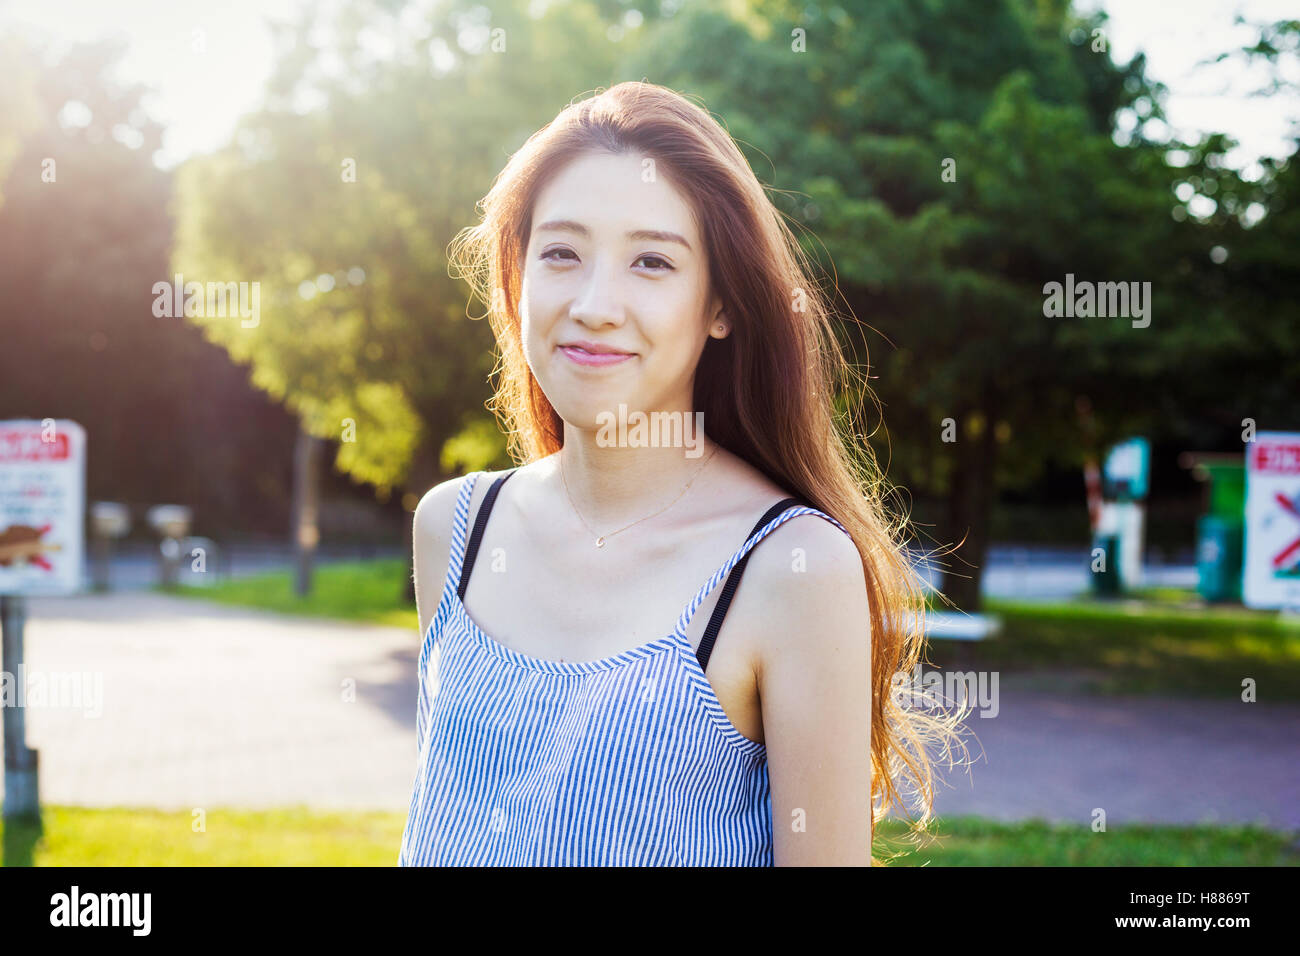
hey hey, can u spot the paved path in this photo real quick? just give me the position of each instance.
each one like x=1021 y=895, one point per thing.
x=1159 y=760
x=205 y=705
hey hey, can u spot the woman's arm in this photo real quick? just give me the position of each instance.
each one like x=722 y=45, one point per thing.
x=815 y=686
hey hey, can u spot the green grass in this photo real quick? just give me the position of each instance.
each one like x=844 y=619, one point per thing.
x=1142 y=647
x=369 y=591
x=77 y=836
x=296 y=836
x=974 y=841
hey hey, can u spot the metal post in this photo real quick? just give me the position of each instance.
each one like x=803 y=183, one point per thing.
x=169 y=551
x=100 y=561
x=306 y=506
x=22 y=797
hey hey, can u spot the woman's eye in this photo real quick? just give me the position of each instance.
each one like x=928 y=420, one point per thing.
x=554 y=255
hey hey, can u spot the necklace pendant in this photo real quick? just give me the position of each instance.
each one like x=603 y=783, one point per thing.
x=600 y=542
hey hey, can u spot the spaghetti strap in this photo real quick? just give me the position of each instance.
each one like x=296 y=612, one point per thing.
x=459 y=532
x=480 y=522
x=729 y=589
x=785 y=510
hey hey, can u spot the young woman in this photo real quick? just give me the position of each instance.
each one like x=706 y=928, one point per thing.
x=596 y=686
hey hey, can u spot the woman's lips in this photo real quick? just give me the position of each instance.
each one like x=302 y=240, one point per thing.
x=579 y=357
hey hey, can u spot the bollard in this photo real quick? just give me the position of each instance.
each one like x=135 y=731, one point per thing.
x=108 y=520
x=171 y=522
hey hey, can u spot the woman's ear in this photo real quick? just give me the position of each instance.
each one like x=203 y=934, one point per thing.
x=719 y=327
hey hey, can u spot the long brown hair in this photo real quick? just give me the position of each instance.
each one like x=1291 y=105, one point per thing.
x=767 y=391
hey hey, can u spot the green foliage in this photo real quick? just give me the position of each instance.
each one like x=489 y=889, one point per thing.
x=474 y=447
x=379 y=177
x=941 y=161
x=949 y=159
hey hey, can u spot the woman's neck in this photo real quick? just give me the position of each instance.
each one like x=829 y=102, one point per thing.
x=611 y=485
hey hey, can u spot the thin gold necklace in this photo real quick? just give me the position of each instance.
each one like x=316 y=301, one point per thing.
x=600 y=539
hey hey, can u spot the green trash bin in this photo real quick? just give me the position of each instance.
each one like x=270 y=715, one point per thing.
x=1227 y=488
x=1218 y=558
x=1105 y=582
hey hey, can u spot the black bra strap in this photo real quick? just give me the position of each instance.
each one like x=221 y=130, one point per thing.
x=733 y=582
x=480 y=523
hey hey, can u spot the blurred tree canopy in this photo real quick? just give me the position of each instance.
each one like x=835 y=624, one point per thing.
x=950 y=159
x=944 y=160
x=364 y=190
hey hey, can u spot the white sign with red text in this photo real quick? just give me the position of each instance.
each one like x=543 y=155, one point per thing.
x=42 y=506
x=1272 y=543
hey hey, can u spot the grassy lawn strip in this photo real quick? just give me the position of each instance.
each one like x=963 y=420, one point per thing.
x=294 y=836
x=975 y=841
x=1144 y=648
x=78 y=836
x=369 y=591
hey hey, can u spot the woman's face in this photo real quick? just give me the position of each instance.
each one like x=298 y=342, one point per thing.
x=614 y=260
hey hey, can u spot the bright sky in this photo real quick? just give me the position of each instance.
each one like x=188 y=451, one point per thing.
x=1175 y=36
x=208 y=62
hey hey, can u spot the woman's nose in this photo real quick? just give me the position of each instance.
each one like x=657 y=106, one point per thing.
x=599 y=298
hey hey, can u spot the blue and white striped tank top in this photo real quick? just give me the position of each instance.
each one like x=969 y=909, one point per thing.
x=625 y=761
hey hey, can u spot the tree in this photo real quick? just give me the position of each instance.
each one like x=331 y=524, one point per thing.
x=340 y=197
x=952 y=159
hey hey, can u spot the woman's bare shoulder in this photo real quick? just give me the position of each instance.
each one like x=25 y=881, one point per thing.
x=433 y=514
x=432 y=526
x=829 y=549
x=436 y=510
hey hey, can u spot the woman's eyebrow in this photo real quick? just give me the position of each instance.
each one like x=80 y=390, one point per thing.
x=657 y=235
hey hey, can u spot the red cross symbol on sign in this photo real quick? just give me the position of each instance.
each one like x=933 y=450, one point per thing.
x=1280 y=558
